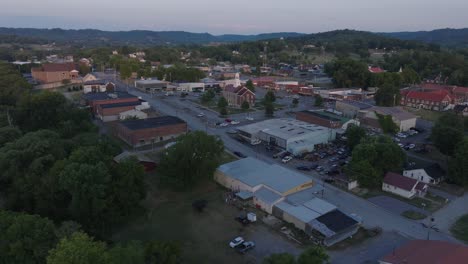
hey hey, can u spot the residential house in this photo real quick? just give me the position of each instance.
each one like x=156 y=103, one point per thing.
x=375 y=69
x=149 y=131
x=432 y=174
x=98 y=86
x=403 y=186
x=461 y=110
x=403 y=120
x=235 y=96
x=54 y=72
x=427 y=252
x=436 y=100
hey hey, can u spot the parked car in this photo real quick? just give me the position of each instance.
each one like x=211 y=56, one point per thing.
x=249 y=118
x=245 y=246
x=201 y=115
x=234 y=122
x=286 y=159
x=280 y=154
x=242 y=219
x=411 y=146
x=239 y=154
x=224 y=124
x=236 y=242
x=328 y=180
x=303 y=168
x=227 y=120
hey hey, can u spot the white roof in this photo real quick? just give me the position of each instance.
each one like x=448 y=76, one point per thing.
x=254 y=172
x=284 y=128
x=320 y=206
x=267 y=195
x=300 y=212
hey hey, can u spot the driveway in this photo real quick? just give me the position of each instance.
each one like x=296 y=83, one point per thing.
x=394 y=205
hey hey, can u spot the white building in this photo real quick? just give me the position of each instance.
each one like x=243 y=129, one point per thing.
x=432 y=174
x=133 y=114
x=403 y=186
x=191 y=87
x=403 y=120
x=295 y=136
x=98 y=86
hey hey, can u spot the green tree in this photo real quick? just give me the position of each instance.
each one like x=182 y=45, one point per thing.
x=458 y=165
x=245 y=106
x=25 y=238
x=9 y=134
x=132 y=252
x=223 y=111
x=318 y=100
x=365 y=174
x=295 y=102
x=387 y=95
x=347 y=72
x=79 y=249
x=222 y=102
x=270 y=97
x=313 y=255
x=281 y=258
x=194 y=158
x=269 y=108
x=447 y=133
x=249 y=84
x=387 y=124
x=208 y=96
x=163 y=252
x=354 y=135
x=410 y=76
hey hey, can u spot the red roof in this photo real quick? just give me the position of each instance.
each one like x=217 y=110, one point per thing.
x=428 y=252
x=399 y=181
x=421 y=186
x=434 y=95
x=56 y=67
x=376 y=69
x=241 y=90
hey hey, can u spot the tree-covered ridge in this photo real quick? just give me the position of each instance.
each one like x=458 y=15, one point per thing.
x=450 y=37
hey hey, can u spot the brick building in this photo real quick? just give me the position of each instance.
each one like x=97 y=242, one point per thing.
x=319 y=118
x=55 y=72
x=235 y=96
x=152 y=130
x=431 y=99
x=95 y=99
x=111 y=112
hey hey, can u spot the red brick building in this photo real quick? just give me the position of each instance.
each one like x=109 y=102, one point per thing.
x=432 y=99
x=55 y=72
x=111 y=112
x=93 y=100
x=235 y=96
x=143 y=132
x=319 y=118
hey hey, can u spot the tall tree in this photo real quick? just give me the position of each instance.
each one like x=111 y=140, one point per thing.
x=25 y=238
x=9 y=134
x=195 y=157
x=387 y=95
x=313 y=255
x=281 y=258
x=347 y=72
x=249 y=84
x=458 y=165
x=270 y=96
x=245 y=106
x=447 y=133
x=354 y=135
x=79 y=249
x=222 y=102
x=318 y=100
x=163 y=252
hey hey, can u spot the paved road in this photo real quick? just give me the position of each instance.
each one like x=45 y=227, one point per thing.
x=395 y=205
x=445 y=217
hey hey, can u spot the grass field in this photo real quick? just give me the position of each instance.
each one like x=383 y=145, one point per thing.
x=413 y=215
x=460 y=228
x=204 y=236
x=424 y=114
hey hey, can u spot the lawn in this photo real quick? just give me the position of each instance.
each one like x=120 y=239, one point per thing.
x=460 y=228
x=424 y=114
x=413 y=215
x=203 y=236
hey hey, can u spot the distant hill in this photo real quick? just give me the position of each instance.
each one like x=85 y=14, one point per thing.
x=93 y=37
x=444 y=37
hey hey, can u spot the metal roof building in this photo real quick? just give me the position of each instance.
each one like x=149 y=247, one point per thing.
x=293 y=135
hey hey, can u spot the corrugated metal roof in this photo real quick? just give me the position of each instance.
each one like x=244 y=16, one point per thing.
x=267 y=195
x=300 y=212
x=320 y=206
x=254 y=172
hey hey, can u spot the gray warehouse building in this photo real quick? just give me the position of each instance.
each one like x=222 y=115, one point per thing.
x=292 y=135
x=151 y=85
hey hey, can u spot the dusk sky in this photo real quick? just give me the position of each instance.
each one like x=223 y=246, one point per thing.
x=240 y=16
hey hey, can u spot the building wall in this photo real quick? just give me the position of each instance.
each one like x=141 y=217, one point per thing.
x=405 y=125
x=233 y=184
x=265 y=206
x=317 y=120
x=94 y=88
x=148 y=136
x=111 y=114
x=329 y=241
x=293 y=220
x=347 y=110
x=94 y=104
x=397 y=191
x=48 y=77
x=418 y=174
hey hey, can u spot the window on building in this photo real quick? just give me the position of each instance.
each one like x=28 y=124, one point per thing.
x=160 y=138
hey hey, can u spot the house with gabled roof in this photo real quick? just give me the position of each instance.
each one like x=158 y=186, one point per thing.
x=436 y=100
x=403 y=186
x=432 y=174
